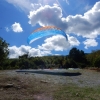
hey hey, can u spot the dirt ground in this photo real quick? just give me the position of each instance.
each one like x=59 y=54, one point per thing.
x=43 y=84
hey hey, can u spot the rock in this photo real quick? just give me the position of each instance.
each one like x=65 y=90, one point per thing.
x=43 y=81
x=1 y=89
x=26 y=73
x=18 y=87
x=8 y=86
x=77 y=94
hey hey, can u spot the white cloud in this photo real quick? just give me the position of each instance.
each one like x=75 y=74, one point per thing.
x=46 y=15
x=73 y=41
x=25 y=5
x=87 y=7
x=55 y=4
x=7 y=29
x=67 y=1
x=35 y=6
x=59 y=43
x=37 y=52
x=16 y=27
x=87 y=25
x=90 y=43
x=15 y=52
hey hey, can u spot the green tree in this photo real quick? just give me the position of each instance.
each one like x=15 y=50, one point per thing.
x=3 y=51
x=97 y=62
x=78 y=56
x=24 y=61
x=93 y=58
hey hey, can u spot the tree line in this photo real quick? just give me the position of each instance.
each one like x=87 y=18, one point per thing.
x=75 y=59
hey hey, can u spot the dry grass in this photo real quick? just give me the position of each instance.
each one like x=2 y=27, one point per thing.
x=24 y=88
x=28 y=87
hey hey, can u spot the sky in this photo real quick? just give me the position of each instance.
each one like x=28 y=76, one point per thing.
x=79 y=19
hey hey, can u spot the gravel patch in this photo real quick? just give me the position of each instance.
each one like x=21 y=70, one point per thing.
x=80 y=77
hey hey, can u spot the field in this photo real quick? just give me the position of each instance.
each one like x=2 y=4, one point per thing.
x=50 y=84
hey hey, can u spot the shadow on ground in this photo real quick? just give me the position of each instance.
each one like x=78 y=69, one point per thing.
x=50 y=72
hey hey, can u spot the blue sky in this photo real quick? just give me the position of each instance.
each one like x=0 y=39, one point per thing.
x=80 y=19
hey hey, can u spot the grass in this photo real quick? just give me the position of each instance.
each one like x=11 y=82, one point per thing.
x=77 y=93
x=30 y=88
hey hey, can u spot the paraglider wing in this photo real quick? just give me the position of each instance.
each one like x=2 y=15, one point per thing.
x=45 y=31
